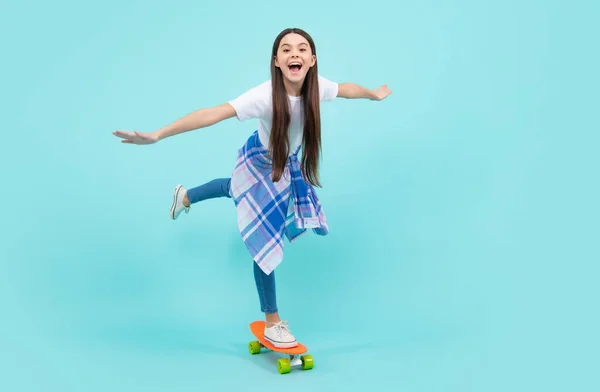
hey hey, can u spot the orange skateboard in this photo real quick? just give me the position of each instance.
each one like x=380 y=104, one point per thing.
x=284 y=365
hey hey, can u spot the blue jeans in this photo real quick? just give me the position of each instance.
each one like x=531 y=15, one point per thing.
x=265 y=284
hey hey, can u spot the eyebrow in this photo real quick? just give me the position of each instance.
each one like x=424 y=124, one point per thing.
x=302 y=43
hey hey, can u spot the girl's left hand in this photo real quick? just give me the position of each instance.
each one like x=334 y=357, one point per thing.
x=381 y=93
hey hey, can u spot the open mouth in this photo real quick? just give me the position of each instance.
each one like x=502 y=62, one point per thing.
x=295 y=68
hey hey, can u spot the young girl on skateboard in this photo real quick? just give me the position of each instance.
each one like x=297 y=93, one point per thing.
x=271 y=186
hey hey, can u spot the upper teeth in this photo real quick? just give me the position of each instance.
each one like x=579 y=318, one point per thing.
x=295 y=64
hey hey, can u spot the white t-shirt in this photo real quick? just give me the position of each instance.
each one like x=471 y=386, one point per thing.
x=257 y=103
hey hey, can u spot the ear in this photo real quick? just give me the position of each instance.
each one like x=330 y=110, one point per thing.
x=313 y=60
x=276 y=61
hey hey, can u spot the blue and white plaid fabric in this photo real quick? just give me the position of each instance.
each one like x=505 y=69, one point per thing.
x=269 y=210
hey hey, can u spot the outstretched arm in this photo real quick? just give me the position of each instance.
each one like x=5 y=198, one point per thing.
x=198 y=119
x=352 y=90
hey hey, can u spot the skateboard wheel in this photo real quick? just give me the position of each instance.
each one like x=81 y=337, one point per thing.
x=284 y=366
x=307 y=362
x=254 y=347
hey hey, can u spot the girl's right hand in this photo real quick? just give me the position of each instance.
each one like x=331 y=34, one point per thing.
x=136 y=137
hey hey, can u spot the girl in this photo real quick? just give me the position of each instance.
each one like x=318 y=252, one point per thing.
x=272 y=189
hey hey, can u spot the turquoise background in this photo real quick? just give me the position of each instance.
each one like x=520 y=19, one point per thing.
x=463 y=253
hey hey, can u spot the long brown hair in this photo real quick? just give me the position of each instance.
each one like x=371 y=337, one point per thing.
x=311 y=144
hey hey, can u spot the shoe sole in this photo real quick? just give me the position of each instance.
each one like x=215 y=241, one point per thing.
x=278 y=344
x=175 y=195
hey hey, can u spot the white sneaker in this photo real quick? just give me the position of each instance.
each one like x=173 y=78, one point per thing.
x=178 y=206
x=280 y=336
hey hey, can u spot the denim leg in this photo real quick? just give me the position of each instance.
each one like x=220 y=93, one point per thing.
x=218 y=187
x=265 y=286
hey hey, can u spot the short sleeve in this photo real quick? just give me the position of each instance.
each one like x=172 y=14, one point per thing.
x=328 y=90
x=253 y=103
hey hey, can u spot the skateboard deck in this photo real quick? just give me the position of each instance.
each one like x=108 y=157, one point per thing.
x=284 y=365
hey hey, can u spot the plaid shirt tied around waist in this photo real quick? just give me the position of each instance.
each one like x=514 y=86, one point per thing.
x=268 y=210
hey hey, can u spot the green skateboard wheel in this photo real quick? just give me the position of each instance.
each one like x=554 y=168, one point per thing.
x=284 y=366
x=307 y=362
x=254 y=347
